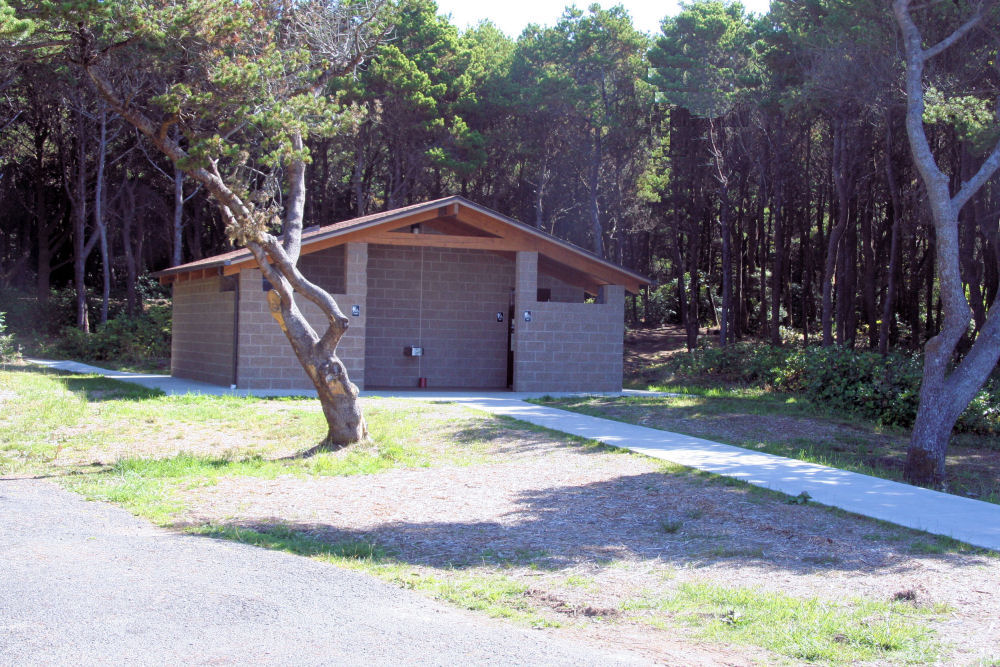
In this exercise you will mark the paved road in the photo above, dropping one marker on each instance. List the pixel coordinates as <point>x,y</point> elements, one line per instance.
<point>86,583</point>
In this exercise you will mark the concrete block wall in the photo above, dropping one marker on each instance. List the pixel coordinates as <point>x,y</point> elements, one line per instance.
<point>201,347</point>
<point>450,312</point>
<point>560,291</point>
<point>266,360</point>
<point>326,269</point>
<point>566,346</point>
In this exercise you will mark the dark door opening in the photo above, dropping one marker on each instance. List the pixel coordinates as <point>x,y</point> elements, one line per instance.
<point>510,342</point>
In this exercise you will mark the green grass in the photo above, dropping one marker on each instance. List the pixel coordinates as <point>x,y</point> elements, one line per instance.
<point>670,526</point>
<point>53,417</point>
<point>806,629</point>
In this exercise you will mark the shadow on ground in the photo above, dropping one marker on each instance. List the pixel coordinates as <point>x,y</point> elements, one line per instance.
<point>633,518</point>
<point>94,388</point>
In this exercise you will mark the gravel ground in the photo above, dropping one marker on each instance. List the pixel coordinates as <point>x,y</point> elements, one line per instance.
<point>85,583</point>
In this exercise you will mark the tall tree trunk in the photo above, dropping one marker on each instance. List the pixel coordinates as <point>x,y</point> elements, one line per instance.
<point>778,269</point>
<point>841,182</point>
<point>100,224</point>
<point>358,176</point>
<point>81,245</point>
<point>847,282</point>
<point>725,223</point>
<point>725,330</point>
<point>888,302</point>
<point>694,288</point>
<point>593,194</point>
<point>868,282</point>
<point>132,304</point>
<point>177,226</point>
<point>43,224</point>
<point>764,240</point>
<point>944,392</point>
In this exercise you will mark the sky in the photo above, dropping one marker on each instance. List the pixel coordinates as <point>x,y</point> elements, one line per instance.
<point>512,16</point>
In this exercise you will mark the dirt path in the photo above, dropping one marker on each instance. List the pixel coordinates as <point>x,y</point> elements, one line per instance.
<point>593,530</point>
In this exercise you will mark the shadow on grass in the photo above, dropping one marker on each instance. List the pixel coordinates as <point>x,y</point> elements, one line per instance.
<point>643,517</point>
<point>509,436</point>
<point>94,388</point>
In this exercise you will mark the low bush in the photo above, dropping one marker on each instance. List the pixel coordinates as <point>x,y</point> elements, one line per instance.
<point>125,338</point>
<point>8,350</point>
<point>47,328</point>
<point>29,318</point>
<point>885,389</point>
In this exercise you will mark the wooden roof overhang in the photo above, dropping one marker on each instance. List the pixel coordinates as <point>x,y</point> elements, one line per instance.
<point>453,222</point>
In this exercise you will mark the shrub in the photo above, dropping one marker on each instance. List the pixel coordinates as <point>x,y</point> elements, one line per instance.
<point>885,389</point>
<point>8,351</point>
<point>123,338</point>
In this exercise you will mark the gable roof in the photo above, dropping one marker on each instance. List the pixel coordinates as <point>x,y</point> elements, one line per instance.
<point>449,222</point>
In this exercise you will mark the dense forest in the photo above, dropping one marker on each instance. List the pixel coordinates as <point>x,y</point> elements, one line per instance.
<point>786,130</point>
<point>757,168</point>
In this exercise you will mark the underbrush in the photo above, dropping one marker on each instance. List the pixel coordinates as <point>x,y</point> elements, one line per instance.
<point>49,329</point>
<point>125,338</point>
<point>884,389</point>
<point>8,350</point>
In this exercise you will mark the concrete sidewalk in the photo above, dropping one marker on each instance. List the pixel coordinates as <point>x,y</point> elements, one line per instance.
<point>964,519</point>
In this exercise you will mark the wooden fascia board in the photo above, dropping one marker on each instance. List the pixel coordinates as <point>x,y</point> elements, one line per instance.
<point>449,241</point>
<point>360,234</point>
<point>604,273</point>
<point>506,237</point>
<point>187,276</point>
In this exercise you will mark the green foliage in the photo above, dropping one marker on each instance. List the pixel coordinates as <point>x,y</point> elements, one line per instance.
<point>885,389</point>
<point>11,27</point>
<point>8,351</point>
<point>122,338</point>
<point>660,305</point>
<point>973,118</point>
<point>48,329</point>
<point>28,318</point>
<point>703,60</point>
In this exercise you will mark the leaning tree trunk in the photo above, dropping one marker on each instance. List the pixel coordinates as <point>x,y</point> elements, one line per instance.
<point>944,394</point>
<point>277,260</point>
<point>318,354</point>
